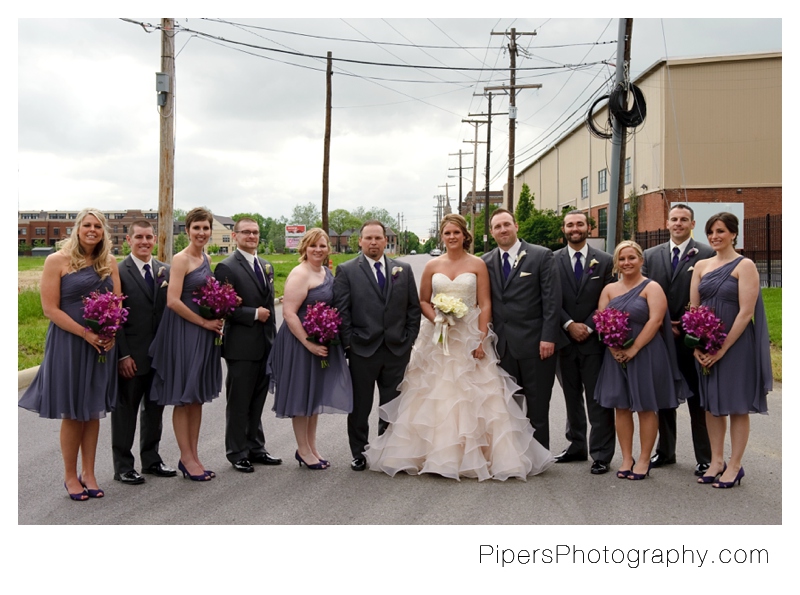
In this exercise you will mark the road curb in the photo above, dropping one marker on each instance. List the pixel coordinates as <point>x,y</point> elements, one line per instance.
<point>24,377</point>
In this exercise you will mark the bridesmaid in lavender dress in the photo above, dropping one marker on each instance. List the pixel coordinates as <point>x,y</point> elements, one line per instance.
<point>740,373</point>
<point>71,385</point>
<point>188,372</point>
<point>644,377</point>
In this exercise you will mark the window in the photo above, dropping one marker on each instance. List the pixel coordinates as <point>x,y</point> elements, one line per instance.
<point>119,215</point>
<point>23,231</point>
<point>56,215</point>
<point>585,187</point>
<point>151,215</point>
<point>68,231</point>
<point>602,181</point>
<point>226,239</point>
<point>29,216</point>
<point>602,222</point>
<point>41,231</point>
<point>116,229</point>
<point>627,170</point>
<point>56,231</point>
<point>73,215</point>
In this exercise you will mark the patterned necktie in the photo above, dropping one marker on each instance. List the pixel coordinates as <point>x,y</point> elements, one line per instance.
<point>259,274</point>
<point>506,265</point>
<point>675,253</point>
<point>149,278</point>
<point>578,267</point>
<point>381,278</point>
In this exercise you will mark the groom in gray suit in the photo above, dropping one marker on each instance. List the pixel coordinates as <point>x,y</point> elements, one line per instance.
<point>526,303</point>
<point>584,273</point>
<point>144,283</point>
<point>379,305</point>
<point>671,264</point>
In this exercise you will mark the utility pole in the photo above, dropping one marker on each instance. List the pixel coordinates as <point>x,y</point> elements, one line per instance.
<point>616,197</point>
<point>475,142</point>
<point>460,191</point>
<point>447,209</point>
<point>166,158</point>
<point>512,109</point>
<point>326,158</point>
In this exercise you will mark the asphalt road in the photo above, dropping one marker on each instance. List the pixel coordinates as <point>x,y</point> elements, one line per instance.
<point>287,495</point>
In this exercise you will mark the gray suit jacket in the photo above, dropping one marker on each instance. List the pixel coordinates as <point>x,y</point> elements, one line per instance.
<point>525,307</point>
<point>245,337</point>
<point>145,310</point>
<point>658,267</point>
<point>371,317</point>
<point>579,300</point>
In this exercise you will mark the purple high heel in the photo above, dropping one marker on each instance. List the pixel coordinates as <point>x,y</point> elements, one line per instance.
<point>79,497</point>
<point>624,474</point>
<point>98,493</point>
<point>729,484</point>
<point>713,478</point>
<point>186,473</point>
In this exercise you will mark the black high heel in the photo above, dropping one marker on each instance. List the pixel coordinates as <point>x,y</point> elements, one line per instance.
<point>624,474</point>
<point>313,467</point>
<point>639,476</point>
<point>729,484</point>
<point>712,478</point>
<point>98,493</point>
<point>186,473</point>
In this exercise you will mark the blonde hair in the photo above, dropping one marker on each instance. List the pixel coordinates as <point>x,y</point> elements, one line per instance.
<point>620,247</point>
<point>460,222</point>
<point>310,237</point>
<point>73,249</point>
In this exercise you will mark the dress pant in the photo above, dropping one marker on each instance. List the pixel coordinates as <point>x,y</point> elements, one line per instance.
<point>246,385</point>
<point>577,373</point>
<point>383,368</point>
<point>134,392</point>
<point>536,377</point>
<point>667,418</point>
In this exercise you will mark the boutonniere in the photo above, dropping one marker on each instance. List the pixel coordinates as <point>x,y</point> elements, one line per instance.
<point>689,254</point>
<point>267,268</point>
<point>520,256</point>
<point>395,272</point>
<point>592,264</point>
<point>161,272</point>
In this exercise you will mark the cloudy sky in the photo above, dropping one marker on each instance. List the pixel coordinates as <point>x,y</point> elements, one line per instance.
<point>250,121</point>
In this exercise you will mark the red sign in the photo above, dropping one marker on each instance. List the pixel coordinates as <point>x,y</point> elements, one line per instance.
<point>292,230</point>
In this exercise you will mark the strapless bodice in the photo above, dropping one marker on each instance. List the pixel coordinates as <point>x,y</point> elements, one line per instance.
<point>464,287</point>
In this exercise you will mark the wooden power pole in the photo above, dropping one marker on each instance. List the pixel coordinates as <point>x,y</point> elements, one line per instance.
<point>166,160</point>
<point>326,159</point>
<point>616,195</point>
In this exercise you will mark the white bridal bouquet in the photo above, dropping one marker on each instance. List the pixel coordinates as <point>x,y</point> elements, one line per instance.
<point>448,309</point>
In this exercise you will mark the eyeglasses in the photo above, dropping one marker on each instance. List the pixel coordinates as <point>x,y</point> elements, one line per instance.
<point>247,232</point>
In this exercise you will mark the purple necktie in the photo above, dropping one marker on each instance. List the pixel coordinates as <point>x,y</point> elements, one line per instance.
<point>506,265</point>
<point>259,274</point>
<point>675,253</point>
<point>578,267</point>
<point>381,278</point>
<point>149,278</point>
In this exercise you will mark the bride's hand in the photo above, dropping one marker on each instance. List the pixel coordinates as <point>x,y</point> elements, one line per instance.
<point>479,353</point>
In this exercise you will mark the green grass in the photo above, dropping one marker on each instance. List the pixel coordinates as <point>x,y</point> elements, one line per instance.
<point>773,306</point>
<point>30,263</point>
<point>32,327</point>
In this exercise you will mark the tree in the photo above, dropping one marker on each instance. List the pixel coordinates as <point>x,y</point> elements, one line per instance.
<point>179,242</point>
<point>410,242</point>
<point>178,215</point>
<point>381,215</point>
<point>213,249</point>
<point>126,248</point>
<point>429,245</point>
<point>479,227</point>
<point>341,220</point>
<point>308,215</point>
<point>525,204</point>
<point>543,228</point>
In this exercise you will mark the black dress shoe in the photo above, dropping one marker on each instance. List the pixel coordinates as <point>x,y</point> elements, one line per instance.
<point>265,459</point>
<point>358,464</point>
<point>659,460</point>
<point>132,477</point>
<point>160,469</point>
<point>569,457</point>
<point>243,465</point>
<point>701,468</point>
<point>599,467</point>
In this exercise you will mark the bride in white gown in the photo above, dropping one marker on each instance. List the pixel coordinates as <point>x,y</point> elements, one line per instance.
<point>456,415</point>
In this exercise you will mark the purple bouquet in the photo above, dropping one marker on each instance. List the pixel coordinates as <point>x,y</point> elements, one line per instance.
<point>216,300</point>
<point>703,330</point>
<point>322,324</point>
<point>104,314</point>
<point>613,329</point>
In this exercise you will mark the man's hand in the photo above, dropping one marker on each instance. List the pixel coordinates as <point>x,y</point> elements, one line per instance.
<point>578,331</point>
<point>263,314</point>
<point>546,349</point>
<point>676,328</point>
<point>127,368</point>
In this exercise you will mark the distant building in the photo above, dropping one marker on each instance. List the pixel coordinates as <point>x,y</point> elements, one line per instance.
<point>495,199</point>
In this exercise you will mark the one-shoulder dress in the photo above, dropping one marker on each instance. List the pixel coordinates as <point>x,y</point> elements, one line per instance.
<point>457,416</point>
<point>739,382</point>
<point>186,361</point>
<point>301,386</point>
<point>71,383</point>
<point>651,380</point>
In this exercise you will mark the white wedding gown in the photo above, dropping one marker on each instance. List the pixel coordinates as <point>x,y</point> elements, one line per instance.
<point>456,416</point>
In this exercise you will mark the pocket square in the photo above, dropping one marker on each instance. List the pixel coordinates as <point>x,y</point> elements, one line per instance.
<point>524,274</point>
<point>689,269</point>
<point>592,278</point>
<point>164,284</point>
